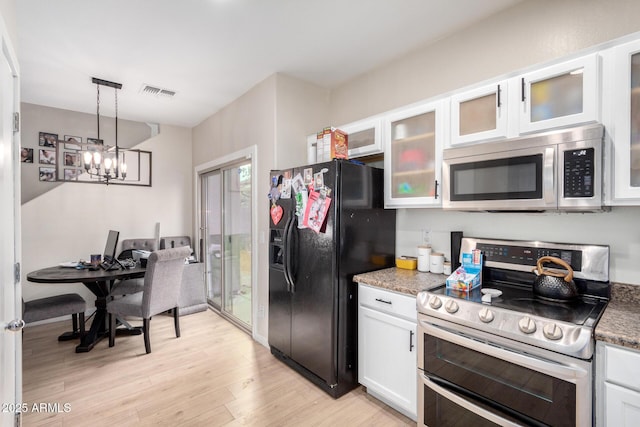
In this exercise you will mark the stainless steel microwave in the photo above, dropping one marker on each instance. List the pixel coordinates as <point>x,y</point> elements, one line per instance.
<point>556,170</point>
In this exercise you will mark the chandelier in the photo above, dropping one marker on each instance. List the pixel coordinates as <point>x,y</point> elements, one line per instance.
<point>102,161</point>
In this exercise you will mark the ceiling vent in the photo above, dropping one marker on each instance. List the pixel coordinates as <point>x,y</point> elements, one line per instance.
<point>157,91</point>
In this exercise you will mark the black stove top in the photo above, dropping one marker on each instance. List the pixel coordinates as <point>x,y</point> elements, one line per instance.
<point>584,310</point>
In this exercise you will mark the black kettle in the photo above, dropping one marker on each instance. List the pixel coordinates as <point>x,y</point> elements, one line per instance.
<point>554,285</point>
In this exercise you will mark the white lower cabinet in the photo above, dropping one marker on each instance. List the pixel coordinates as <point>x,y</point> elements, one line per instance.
<point>387,347</point>
<point>618,386</point>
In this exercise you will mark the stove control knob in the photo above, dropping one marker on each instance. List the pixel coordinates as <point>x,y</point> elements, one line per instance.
<point>552,331</point>
<point>435,303</point>
<point>485,315</point>
<point>527,325</point>
<point>451,306</point>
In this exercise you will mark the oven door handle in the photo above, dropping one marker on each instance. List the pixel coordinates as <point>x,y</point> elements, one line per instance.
<point>558,370</point>
<point>453,397</point>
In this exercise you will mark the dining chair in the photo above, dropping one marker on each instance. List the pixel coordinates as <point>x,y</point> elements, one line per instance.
<point>131,286</point>
<point>161,293</point>
<point>57,306</point>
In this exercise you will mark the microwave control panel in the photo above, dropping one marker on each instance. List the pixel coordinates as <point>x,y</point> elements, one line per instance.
<point>579,172</point>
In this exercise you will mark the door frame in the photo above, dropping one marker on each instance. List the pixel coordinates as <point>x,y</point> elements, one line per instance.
<point>15,286</point>
<point>251,154</point>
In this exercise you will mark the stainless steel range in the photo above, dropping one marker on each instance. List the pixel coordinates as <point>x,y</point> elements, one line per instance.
<point>511,359</point>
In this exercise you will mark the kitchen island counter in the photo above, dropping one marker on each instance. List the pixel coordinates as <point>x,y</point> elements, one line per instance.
<point>400,280</point>
<point>620,322</point>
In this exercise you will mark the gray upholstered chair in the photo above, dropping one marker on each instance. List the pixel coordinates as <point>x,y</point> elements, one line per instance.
<point>57,306</point>
<point>174,241</point>
<point>193,294</point>
<point>161,293</point>
<point>131,286</point>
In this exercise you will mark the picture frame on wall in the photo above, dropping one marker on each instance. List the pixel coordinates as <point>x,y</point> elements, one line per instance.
<point>72,174</point>
<point>72,158</point>
<point>47,157</point>
<point>47,174</point>
<point>71,142</point>
<point>46,139</point>
<point>94,141</point>
<point>26,155</point>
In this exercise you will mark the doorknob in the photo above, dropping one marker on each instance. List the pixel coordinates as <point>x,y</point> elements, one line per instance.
<point>15,325</point>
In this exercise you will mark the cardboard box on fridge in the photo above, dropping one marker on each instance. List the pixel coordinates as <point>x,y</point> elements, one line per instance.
<point>336,143</point>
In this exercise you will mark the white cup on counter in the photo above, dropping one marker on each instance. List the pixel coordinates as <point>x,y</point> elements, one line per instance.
<point>446,269</point>
<point>436,262</point>
<point>424,253</point>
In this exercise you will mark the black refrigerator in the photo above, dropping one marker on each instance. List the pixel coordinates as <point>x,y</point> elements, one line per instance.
<point>316,246</point>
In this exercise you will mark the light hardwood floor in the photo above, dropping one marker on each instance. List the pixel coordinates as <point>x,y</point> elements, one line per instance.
<point>214,375</point>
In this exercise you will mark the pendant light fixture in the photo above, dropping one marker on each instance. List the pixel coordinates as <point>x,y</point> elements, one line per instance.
<point>102,161</point>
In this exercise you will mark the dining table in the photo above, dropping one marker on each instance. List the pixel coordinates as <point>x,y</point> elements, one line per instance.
<point>99,281</point>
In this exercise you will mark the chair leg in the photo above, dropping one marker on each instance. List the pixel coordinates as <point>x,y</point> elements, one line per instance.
<point>176,321</point>
<point>145,331</point>
<point>81,319</point>
<point>112,330</point>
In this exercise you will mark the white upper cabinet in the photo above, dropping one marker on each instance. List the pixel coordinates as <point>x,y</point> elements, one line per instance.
<point>365,137</point>
<point>621,116</point>
<point>480,114</point>
<point>561,95</point>
<point>413,155</point>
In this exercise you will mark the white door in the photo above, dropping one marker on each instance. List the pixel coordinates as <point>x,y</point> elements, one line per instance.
<point>10,291</point>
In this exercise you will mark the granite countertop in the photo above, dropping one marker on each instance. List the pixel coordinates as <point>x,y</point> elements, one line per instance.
<point>399,280</point>
<point>620,323</point>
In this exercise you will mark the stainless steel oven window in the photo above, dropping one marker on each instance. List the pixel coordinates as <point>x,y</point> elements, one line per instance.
<point>442,407</point>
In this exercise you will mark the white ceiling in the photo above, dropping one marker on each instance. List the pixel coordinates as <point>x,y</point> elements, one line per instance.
<point>212,51</point>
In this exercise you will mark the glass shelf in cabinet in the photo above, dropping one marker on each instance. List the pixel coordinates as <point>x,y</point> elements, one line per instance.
<point>413,172</point>
<point>414,138</point>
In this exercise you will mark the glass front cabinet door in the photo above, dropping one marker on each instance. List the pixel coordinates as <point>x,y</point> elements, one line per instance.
<point>624,106</point>
<point>365,137</point>
<point>413,156</point>
<point>561,95</point>
<point>479,114</point>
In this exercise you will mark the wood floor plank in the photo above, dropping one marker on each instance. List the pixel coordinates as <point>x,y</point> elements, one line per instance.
<point>213,375</point>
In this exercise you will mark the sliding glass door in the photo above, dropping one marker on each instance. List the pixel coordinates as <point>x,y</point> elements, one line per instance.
<point>226,240</point>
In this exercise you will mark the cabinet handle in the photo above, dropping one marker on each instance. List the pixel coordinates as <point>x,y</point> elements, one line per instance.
<point>499,100</point>
<point>522,89</point>
<point>436,190</point>
<point>411,341</point>
<point>384,301</point>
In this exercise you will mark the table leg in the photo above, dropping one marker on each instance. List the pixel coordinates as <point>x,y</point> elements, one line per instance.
<point>98,329</point>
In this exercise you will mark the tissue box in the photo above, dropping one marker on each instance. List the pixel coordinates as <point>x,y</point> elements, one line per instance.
<point>461,280</point>
<point>469,275</point>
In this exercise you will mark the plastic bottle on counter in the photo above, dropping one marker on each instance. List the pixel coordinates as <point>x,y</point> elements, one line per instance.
<point>424,252</point>
<point>436,264</point>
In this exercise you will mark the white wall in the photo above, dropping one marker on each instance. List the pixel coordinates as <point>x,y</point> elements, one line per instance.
<point>248,121</point>
<point>72,220</point>
<point>529,33</point>
<point>301,109</point>
<point>276,115</point>
<point>619,229</point>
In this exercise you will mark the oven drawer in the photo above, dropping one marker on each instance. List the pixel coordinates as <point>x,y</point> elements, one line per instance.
<point>389,302</point>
